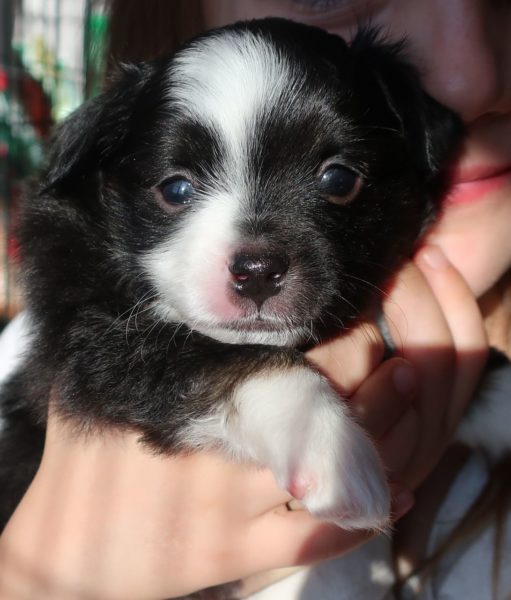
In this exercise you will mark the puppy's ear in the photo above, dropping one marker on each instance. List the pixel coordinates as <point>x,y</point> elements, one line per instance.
<point>84,142</point>
<point>433,132</point>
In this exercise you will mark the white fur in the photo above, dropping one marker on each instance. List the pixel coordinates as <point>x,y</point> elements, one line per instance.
<point>180,265</point>
<point>227,81</point>
<point>14,343</point>
<point>286,336</point>
<point>293,422</point>
<point>191,268</point>
<point>488,421</point>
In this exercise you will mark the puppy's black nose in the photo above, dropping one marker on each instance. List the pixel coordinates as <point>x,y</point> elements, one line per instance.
<point>258,276</point>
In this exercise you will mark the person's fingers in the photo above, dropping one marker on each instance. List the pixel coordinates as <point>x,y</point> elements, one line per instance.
<point>383,403</point>
<point>384,396</point>
<point>422,335</point>
<point>465,324</point>
<point>385,407</point>
<point>347,360</point>
<point>399,445</point>
<point>287,538</point>
<point>436,324</point>
<point>217,480</point>
<point>295,537</point>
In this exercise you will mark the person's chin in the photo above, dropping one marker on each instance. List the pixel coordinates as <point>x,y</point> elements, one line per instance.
<point>481,255</point>
<point>473,229</point>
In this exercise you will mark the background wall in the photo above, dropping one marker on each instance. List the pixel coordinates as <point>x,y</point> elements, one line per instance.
<point>51,58</point>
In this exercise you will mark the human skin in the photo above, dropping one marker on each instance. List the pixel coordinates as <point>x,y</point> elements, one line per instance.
<point>203,537</point>
<point>462,49</point>
<point>105,519</point>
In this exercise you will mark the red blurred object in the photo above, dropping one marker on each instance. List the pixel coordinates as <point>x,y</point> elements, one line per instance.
<point>4,80</point>
<point>36,104</point>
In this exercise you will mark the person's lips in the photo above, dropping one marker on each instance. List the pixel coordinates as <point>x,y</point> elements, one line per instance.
<point>475,183</point>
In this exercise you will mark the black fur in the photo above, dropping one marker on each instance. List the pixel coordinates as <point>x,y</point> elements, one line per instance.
<point>83,231</point>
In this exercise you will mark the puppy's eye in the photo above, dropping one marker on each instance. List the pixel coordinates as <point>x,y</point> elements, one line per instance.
<point>340,184</point>
<point>177,190</point>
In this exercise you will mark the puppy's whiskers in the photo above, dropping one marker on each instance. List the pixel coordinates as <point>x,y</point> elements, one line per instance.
<point>137,310</point>
<point>148,331</point>
<point>146,298</point>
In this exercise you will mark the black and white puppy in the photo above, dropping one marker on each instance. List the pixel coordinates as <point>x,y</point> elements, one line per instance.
<point>203,221</point>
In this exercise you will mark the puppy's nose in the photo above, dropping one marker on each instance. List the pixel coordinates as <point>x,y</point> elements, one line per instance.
<point>258,276</point>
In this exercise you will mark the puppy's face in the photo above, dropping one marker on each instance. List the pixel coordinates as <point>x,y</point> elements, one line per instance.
<point>264,178</point>
<point>264,184</point>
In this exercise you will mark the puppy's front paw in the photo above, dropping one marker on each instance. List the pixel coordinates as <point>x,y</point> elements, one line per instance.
<point>295,423</point>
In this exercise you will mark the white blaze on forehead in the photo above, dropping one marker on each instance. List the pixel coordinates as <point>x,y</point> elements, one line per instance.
<point>228,80</point>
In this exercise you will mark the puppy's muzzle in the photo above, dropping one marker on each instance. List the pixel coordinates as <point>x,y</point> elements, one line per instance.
<point>258,276</point>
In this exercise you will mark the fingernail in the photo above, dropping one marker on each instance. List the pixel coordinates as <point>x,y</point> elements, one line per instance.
<point>404,379</point>
<point>402,502</point>
<point>434,257</point>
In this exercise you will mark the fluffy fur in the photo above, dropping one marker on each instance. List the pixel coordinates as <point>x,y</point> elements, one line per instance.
<point>187,321</point>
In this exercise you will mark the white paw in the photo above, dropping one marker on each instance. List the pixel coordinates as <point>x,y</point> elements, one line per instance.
<point>293,422</point>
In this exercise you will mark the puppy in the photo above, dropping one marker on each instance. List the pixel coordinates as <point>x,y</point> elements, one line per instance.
<point>198,226</point>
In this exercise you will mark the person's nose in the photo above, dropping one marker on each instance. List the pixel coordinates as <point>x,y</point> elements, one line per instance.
<point>463,49</point>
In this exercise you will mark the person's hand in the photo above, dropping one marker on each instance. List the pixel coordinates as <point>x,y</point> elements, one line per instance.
<point>446,342</point>
<point>104,518</point>
<point>437,327</point>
